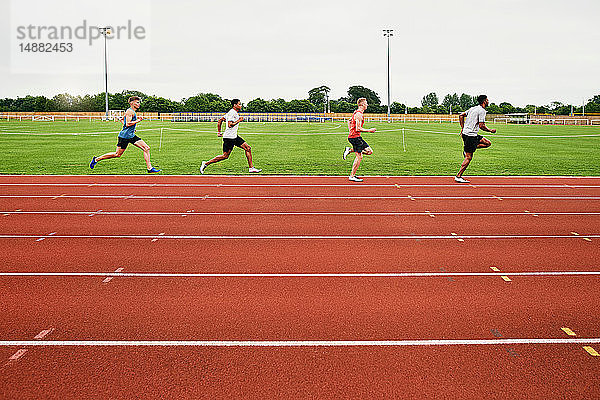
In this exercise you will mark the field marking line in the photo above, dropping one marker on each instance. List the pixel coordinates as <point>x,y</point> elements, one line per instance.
<point>591,351</point>
<point>299,343</point>
<point>568,331</point>
<point>21,352</point>
<point>110,278</point>
<point>442,274</point>
<point>207,197</point>
<point>297,237</point>
<point>299,213</point>
<point>323,185</point>
<point>261,176</point>
<point>504,277</point>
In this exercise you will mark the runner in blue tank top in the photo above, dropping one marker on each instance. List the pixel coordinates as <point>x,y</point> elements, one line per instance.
<point>127,135</point>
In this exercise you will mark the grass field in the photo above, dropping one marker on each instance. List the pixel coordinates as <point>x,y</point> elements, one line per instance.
<point>299,149</point>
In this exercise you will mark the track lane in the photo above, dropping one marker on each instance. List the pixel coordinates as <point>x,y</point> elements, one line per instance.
<point>298,308</point>
<point>306,225</point>
<point>296,256</point>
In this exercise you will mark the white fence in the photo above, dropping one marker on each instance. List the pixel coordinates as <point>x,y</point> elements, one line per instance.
<point>545,121</point>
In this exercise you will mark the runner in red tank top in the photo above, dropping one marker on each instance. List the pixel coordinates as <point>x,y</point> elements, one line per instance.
<point>359,146</point>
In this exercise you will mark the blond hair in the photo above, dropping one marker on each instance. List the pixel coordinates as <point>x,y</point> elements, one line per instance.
<point>361,100</point>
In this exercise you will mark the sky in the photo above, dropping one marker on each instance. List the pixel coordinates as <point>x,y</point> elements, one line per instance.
<point>523,52</point>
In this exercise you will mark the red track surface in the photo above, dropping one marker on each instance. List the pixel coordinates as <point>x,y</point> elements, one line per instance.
<point>299,308</point>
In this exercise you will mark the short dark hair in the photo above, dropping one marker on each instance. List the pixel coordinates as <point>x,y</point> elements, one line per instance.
<point>481,98</point>
<point>133,98</point>
<point>234,102</point>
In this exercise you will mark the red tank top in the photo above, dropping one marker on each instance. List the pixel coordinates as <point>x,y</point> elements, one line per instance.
<point>352,125</point>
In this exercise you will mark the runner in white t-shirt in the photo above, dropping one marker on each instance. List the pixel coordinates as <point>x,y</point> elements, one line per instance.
<point>231,138</point>
<point>470,122</point>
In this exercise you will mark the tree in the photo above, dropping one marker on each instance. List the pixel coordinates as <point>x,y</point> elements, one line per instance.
<point>451,102</point>
<point>257,105</point>
<point>494,109</point>
<point>319,96</point>
<point>430,101</point>
<point>397,108</point>
<point>300,106</point>
<point>342,106</point>
<point>356,92</point>
<point>506,108</point>
<point>466,101</point>
<point>276,106</point>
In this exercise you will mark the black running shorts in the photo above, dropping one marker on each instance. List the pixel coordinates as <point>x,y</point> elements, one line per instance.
<point>229,144</point>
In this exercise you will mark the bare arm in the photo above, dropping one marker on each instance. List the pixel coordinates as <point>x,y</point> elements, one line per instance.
<point>359,127</point>
<point>219,126</point>
<point>461,119</point>
<point>129,119</point>
<point>231,124</point>
<point>485,128</point>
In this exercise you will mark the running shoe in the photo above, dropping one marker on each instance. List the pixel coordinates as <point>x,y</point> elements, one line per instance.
<point>203,167</point>
<point>93,163</point>
<point>355,179</point>
<point>346,152</point>
<point>254,170</point>
<point>460,179</point>
<point>153,170</point>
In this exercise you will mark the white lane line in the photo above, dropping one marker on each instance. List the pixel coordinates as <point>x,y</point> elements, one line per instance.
<point>160,234</point>
<point>324,185</point>
<point>296,275</point>
<point>301,237</point>
<point>502,177</point>
<point>504,277</point>
<point>207,197</point>
<point>299,213</point>
<point>300,343</point>
<point>21,352</point>
<point>110,278</point>
<point>40,237</point>
<point>94,213</point>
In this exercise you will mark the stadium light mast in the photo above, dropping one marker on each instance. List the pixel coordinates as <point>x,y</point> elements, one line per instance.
<point>105,32</point>
<point>388,33</point>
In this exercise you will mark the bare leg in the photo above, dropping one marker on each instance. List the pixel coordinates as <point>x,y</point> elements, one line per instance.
<point>146,149</point>
<point>222,157</point>
<point>367,152</point>
<point>116,154</point>
<point>248,151</point>
<point>356,163</point>
<point>465,164</point>
<point>484,143</point>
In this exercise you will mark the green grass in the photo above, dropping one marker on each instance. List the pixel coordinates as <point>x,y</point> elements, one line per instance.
<point>298,149</point>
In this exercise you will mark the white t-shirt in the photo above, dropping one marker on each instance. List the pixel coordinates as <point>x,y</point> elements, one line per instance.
<point>231,133</point>
<point>475,115</point>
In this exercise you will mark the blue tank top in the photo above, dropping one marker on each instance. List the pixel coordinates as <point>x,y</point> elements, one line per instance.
<point>128,131</point>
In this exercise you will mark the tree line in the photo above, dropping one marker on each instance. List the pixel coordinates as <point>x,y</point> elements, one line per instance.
<point>317,102</point>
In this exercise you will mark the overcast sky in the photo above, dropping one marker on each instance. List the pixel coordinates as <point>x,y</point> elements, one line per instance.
<point>524,52</point>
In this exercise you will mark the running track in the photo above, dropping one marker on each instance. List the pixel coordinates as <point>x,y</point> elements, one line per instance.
<point>299,287</point>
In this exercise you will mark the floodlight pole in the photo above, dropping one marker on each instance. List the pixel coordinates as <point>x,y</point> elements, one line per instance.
<point>388,33</point>
<point>105,32</point>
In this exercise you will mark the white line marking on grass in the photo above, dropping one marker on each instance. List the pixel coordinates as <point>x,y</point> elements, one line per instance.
<point>298,275</point>
<point>299,343</point>
<point>299,237</point>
